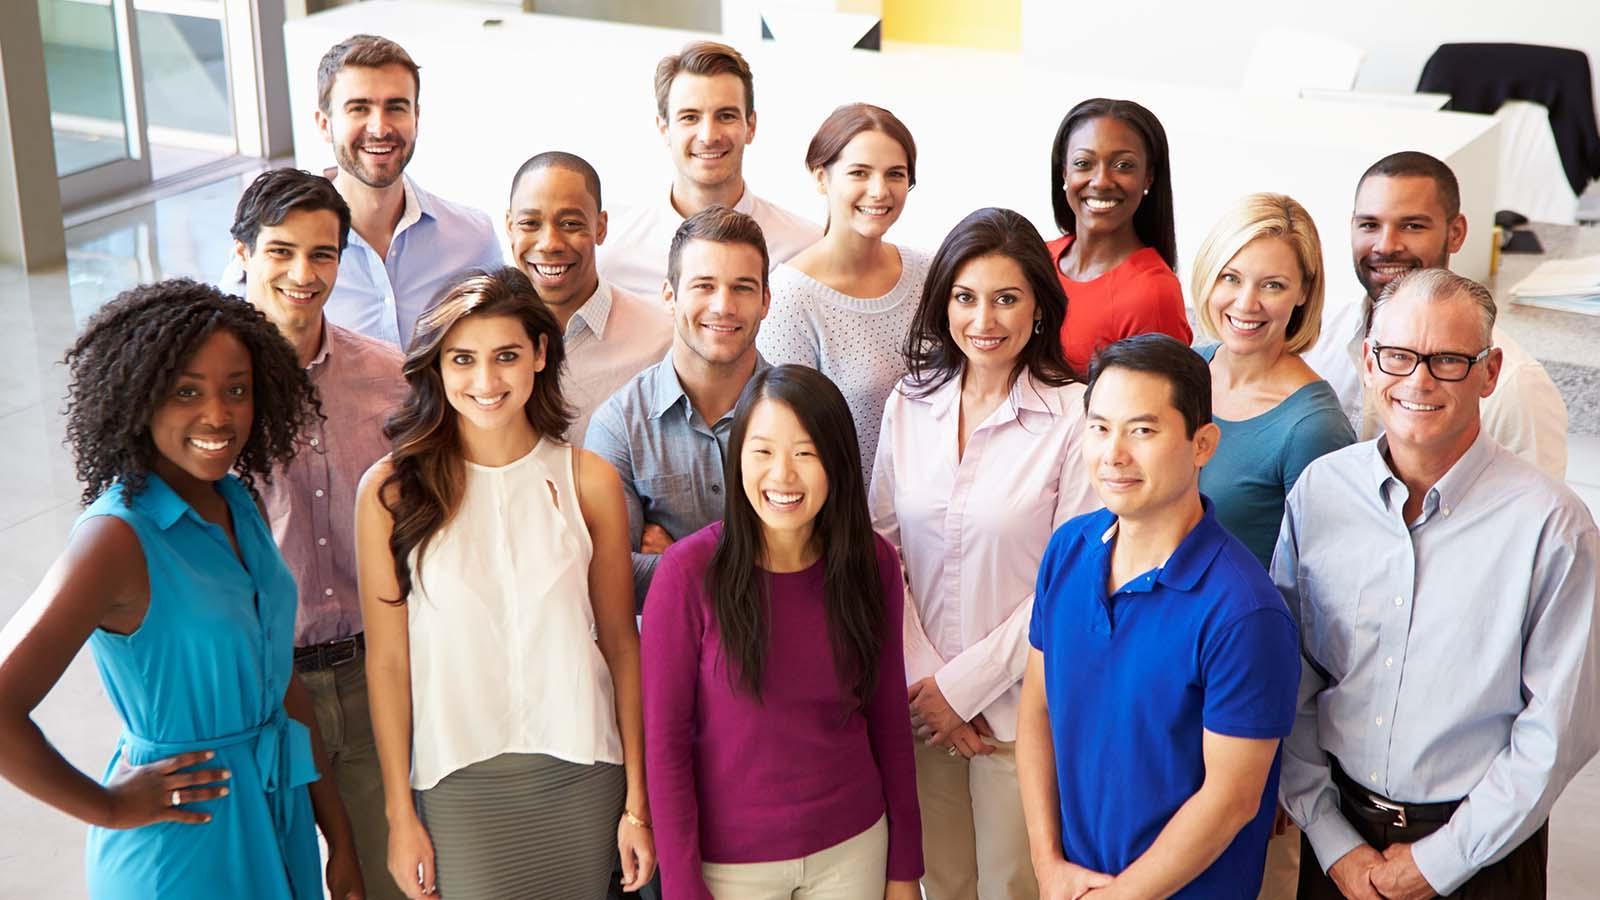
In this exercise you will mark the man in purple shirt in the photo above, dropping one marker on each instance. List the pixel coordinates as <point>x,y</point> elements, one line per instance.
<point>289,230</point>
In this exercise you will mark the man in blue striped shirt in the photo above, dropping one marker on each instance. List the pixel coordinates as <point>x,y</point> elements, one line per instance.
<point>1446,593</point>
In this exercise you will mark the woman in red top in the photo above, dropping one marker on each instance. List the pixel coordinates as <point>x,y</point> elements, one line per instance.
<point>1112,194</point>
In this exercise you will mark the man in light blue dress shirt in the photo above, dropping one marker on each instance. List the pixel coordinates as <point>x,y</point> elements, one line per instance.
<point>666,430</point>
<point>1446,593</point>
<point>406,245</point>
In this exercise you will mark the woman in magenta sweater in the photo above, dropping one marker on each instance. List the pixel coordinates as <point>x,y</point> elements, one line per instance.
<point>767,778</point>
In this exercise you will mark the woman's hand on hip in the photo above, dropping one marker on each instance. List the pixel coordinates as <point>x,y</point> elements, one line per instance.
<point>159,792</point>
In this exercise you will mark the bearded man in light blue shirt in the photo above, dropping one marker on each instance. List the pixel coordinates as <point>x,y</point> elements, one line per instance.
<point>1446,594</point>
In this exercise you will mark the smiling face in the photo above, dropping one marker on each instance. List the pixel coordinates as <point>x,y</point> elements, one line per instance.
<point>1107,173</point>
<point>372,122</point>
<point>554,225</point>
<point>1399,225</point>
<point>1255,295</point>
<point>783,475</point>
<point>1420,413</point>
<point>488,365</point>
<point>203,424</point>
<point>1141,461</point>
<point>292,268</point>
<point>992,312</point>
<point>867,185</point>
<point>719,302</point>
<point>706,128</point>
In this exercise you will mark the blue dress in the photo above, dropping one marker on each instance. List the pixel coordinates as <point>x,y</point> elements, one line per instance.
<point>207,669</point>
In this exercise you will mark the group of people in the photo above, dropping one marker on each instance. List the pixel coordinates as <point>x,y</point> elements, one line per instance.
<point>706,552</point>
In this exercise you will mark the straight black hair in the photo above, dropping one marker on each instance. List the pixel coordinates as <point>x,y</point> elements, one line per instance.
<point>274,194</point>
<point>739,589</point>
<point>1159,354</point>
<point>1152,222</point>
<point>932,355</point>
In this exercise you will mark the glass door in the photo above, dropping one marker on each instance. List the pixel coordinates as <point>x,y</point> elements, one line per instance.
<point>96,104</point>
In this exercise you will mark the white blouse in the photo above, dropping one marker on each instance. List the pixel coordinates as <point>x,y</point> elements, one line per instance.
<point>971,531</point>
<point>503,652</point>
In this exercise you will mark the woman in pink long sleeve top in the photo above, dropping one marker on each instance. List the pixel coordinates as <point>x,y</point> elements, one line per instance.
<point>978,461</point>
<point>767,777</point>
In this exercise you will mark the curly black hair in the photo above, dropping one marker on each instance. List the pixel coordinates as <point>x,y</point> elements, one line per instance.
<point>125,363</point>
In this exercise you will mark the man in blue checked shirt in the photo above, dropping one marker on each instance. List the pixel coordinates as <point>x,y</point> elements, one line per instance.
<point>1446,595</point>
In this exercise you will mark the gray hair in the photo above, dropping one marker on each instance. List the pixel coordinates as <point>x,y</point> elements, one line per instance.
<point>1439,284</point>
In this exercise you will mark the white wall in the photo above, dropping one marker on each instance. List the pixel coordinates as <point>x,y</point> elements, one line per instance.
<point>1209,43</point>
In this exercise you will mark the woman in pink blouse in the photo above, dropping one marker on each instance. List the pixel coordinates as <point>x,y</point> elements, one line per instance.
<point>768,778</point>
<point>978,462</point>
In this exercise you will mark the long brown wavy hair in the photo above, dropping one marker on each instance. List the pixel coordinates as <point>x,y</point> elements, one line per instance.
<point>427,476</point>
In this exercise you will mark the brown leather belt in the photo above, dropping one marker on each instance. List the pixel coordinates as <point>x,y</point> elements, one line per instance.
<point>319,657</point>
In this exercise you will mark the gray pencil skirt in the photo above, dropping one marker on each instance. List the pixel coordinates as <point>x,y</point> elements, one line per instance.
<point>525,825</point>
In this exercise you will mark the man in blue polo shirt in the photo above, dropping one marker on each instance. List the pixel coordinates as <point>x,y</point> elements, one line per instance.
<point>1164,663</point>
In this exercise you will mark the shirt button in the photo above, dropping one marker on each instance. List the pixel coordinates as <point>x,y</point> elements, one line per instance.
<point>327,592</point>
<point>314,443</point>
<point>1398,601</point>
<point>1388,663</point>
<point>716,489</point>
<point>1380,720</point>
<point>1373,776</point>
<point>318,492</point>
<point>1447,511</point>
<point>322,542</point>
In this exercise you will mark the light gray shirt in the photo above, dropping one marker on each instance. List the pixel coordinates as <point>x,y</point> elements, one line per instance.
<point>1454,658</point>
<point>670,459</point>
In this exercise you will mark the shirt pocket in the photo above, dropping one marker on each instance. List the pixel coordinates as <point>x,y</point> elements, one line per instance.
<point>669,492</point>
<point>1329,616</point>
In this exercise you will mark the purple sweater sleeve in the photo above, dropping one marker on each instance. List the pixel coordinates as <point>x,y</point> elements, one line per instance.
<point>670,650</point>
<point>889,730</point>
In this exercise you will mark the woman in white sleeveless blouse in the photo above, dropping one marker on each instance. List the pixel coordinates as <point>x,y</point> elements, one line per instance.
<point>503,657</point>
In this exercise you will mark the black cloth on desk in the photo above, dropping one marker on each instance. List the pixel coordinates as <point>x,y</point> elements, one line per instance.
<point>1481,77</point>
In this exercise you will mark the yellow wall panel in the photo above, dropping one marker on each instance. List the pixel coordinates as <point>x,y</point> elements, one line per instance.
<point>984,24</point>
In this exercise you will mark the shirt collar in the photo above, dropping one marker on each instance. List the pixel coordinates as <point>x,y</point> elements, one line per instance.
<point>745,204</point>
<point>1452,487</point>
<point>418,204</point>
<point>162,505</point>
<point>1187,564</point>
<point>669,390</point>
<point>323,346</point>
<point>1024,397</point>
<point>593,314</point>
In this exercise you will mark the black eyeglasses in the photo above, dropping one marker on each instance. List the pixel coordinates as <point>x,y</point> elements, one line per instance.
<point>1400,362</point>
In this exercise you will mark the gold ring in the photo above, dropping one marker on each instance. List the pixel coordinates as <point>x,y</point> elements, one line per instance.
<point>174,799</point>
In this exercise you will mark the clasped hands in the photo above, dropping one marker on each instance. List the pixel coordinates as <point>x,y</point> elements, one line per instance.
<point>1366,874</point>
<point>937,724</point>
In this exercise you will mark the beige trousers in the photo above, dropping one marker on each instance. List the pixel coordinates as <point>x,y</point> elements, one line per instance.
<point>974,839</point>
<point>853,869</point>
<point>1281,881</point>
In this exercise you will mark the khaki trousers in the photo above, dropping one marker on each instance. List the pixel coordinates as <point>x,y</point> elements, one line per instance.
<point>853,869</point>
<point>1281,880</point>
<point>339,696</point>
<point>974,839</point>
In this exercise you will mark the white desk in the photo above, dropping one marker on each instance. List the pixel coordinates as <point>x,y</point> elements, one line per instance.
<point>494,95</point>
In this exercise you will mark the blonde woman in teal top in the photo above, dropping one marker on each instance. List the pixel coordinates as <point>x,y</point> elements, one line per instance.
<point>1258,285</point>
<point>180,398</point>
<point>1257,292</point>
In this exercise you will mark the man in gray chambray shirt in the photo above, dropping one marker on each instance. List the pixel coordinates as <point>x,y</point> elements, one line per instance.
<point>1446,593</point>
<point>666,430</point>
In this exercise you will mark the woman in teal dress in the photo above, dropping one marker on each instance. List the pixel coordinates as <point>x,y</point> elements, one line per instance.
<point>180,397</point>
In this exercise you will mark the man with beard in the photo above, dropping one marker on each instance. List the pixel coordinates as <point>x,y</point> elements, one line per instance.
<point>1408,217</point>
<point>706,113</point>
<point>405,243</point>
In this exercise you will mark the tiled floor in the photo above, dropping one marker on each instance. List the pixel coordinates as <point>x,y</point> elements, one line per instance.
<point>40,849</point>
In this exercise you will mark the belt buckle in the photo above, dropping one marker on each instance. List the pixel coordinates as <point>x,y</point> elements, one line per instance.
<point>1396,808</point>
<point>336,653</point>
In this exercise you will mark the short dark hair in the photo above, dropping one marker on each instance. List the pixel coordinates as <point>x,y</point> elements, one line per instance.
<point>1152,222</point>
<point>366,51</point>
<point>1159,354</point>
<point>1416,164</point>
<point>932,355</point>
<point>276,193</point>
<point>558,159</point>
<point>125,363</point>
<point>722,225</point>
<point>704,58</point>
